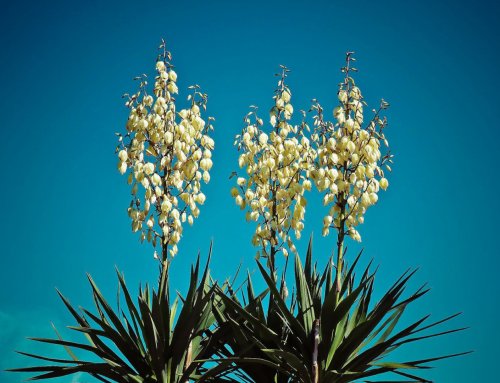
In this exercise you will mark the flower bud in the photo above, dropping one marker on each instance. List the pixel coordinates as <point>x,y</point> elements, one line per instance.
<point>285,96</point>
<point>150,222</point>
<point>327,221</point>
<point>156,179</point>
<point>149,168</point>
<point>351,201</point>
<point>200,198</point>
<point>122,167</point>
<point>160,66</point>
<point>172,76</point>
<point>123,155</point>
<point>262,202</point>
<point>263,138</point>
<point>349,124</point>
<point>148,100</point>
<point>176,237</point>
<point>350,147</point>
<point>339,114</point>
<point>307,185</point>
<point>355,93</point>
<point>304,141</point>
<point>249,194</point>
<point>206,177</point>
<point>175,214</point>
<point>342,96</point>
<point>172,88</point>
<point>384,183</point>
<point>272,120</point>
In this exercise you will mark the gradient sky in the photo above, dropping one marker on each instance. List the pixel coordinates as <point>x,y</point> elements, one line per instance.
<point>65,66</point>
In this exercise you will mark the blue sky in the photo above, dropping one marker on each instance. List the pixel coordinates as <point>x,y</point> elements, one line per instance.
<point>65,66</point>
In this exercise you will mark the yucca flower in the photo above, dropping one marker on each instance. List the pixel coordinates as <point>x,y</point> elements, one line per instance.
<point>350,166</point>
<point>276,161</point>
<point>169,153</point>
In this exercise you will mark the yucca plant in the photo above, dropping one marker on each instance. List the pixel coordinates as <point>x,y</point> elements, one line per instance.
<point>320,339</point>
<point>149,342</point>
<point>166,153</point>
<point>330,331</point>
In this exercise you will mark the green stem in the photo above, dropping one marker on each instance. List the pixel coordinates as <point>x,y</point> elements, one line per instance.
<point>272,260</point>
<point>164,250</point>
<point>342,197</point>
<point>340,250</point>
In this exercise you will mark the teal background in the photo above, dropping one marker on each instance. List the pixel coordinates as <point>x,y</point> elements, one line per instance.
<point>65,65</point>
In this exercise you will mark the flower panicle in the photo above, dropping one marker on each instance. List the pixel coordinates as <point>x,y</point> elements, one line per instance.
<point>345,158</point>
<point>276,161</point>
<point>167,155</point>
<point>350,164</point>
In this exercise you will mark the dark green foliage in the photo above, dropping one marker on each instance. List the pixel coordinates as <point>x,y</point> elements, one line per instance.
<point>150,345</point>
<point>355,336</point>
<point>319,335</point>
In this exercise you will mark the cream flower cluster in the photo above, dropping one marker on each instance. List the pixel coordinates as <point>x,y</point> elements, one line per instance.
<point>167,155</point>
<point>349,167</point>
<point>276,164</point>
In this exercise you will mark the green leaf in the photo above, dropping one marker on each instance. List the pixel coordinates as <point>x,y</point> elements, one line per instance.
<point>294,324</point>
<point>305,303</point>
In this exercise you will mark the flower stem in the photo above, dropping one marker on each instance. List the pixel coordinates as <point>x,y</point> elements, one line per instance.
<point>272,260</point>
<point>340,249</point>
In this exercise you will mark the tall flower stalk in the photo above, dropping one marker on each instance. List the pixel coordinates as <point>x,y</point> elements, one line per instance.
<point>349,167</point>
<point>168,154</point>
<point>277,161</point>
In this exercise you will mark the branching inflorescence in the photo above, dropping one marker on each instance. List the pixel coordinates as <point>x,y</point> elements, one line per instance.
<point>349,167</point>
<point>168,154</point>
<point>342,158</point>
<point>277,161</point>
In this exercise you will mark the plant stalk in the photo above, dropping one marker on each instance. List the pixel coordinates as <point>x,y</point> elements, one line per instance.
<point>340,250</point>
<point>315,369</point>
